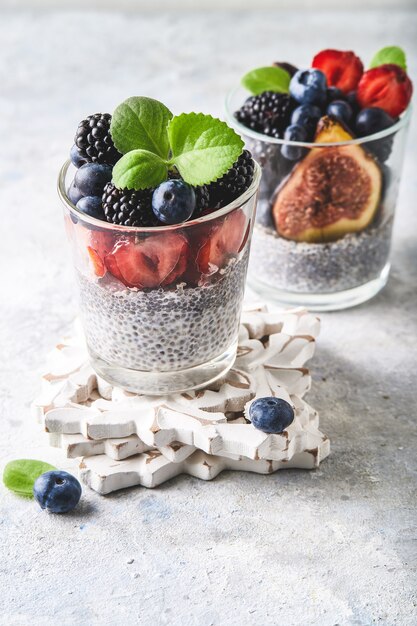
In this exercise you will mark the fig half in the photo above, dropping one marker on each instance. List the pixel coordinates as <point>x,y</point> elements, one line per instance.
<point>333,191</point>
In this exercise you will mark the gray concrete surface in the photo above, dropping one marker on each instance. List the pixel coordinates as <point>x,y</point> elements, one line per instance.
<point>333,547</point>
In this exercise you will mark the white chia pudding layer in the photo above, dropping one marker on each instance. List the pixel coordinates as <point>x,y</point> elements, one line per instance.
<point>352,261</point>
<point>162,330</point>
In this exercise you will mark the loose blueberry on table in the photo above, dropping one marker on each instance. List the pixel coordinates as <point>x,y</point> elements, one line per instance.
<point>57,491</point>
<point>271,415</point>
<point>333,200</point>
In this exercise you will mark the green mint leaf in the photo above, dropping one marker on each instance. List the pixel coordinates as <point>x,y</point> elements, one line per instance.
<point>203,147</point>
<point>20,475</point>
<point>390,54</point>
<point>267,79</point>
<point>140,123</point>
<point>139,169</point>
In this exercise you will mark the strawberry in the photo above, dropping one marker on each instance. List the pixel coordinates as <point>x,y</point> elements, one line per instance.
<point>99,243</point>
<point>342,69</point>
<point>155,261</point>
<point>387,87</point>
<point>98,263</point>
<point>227,237</point>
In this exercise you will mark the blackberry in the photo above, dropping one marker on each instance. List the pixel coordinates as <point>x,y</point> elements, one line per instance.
<point>269,113</point>
<point>202,200</point>
<point>233,183</point>
<point>128,207</point>
<point>94,141</point>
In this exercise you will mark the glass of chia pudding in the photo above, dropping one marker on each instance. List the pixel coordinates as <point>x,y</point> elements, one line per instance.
<point>161,267</point>
<point>330,141</point>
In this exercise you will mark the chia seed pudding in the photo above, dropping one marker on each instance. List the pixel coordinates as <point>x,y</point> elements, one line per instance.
<point>161,329</point>
<point>320,268</point>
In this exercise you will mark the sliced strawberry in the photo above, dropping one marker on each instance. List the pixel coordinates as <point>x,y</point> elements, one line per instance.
<point>225,238</point>
<point>98,263</point>
<point>343,69</point>
<point>149,263</point>
<point>387,87</point>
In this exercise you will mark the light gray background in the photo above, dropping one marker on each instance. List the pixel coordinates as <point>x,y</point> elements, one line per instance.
<point>335,546</point>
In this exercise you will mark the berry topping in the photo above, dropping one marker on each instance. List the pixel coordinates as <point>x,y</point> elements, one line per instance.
<point>94,141</point>
<point>288,67</point>
<point>373,120</point>
<point>57,492</point>
<point>173,202</point>
<point>202,200</point>
<point>225,239</point>
<point>91,178</point>
<point>306,115</point>
<point>271,415</point>
<point>340,109</point>
<point>74,194</point>
<point>333,93</point>
<point>128,207</point>
<point>342,69</point>
<point>309,87</point>
<point>268,113</point>
<point>233,183</point>
<point>294,133</point>
<point>92,206</point>
<point>157,260</point>
<point>76,158</point>
<point>387,87</point>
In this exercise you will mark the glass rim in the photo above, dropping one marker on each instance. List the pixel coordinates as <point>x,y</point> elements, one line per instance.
<point>237,203</point>
<point>230,119</point>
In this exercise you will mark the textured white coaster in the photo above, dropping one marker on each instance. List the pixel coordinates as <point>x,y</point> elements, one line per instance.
<point>199,432</point>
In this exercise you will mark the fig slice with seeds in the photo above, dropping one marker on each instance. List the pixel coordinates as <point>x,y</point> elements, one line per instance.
<point>333,191</point>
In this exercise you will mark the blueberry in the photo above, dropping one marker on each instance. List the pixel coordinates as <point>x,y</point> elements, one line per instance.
<point>309,87</point>
<point>340,109</point>
<point>92,206</point>
<point>294,133</point>
<point>334,93</point>
<point>173,202</point>
<point>58,492</point>
<point>271,415</point>
<point>351,99</point>
<point>306,115</point>
<point>372,120</point>
<point>74,194</point>
<point>91,178</point>
<point>76,158</point>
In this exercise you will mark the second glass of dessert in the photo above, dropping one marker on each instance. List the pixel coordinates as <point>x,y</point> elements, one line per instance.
<point>160,229</point>
<point>330,140</point>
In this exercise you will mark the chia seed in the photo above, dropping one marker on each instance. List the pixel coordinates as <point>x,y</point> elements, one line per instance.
<point>349,262</point>
<point>163,330</point>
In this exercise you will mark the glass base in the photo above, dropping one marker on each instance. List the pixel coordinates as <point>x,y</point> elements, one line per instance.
<point>323,301</point>
<point>163,383</point>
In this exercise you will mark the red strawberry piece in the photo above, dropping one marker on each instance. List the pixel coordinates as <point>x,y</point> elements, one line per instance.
<point>100,243</point>
<point>151,262</point>
<point>387,87</point>
<point>343,69</point>
<point>224,239</point>
<point>98,263</point>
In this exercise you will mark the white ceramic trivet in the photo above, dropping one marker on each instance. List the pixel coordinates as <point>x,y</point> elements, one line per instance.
<point>129,439</point>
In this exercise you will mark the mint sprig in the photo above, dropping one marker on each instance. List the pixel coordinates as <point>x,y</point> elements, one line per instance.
<point>201,147</point>
<point>140,123</point>
<point>139,169</point>
<point>269,78</point>
<point>389,54</point>
<point>20,475</point>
